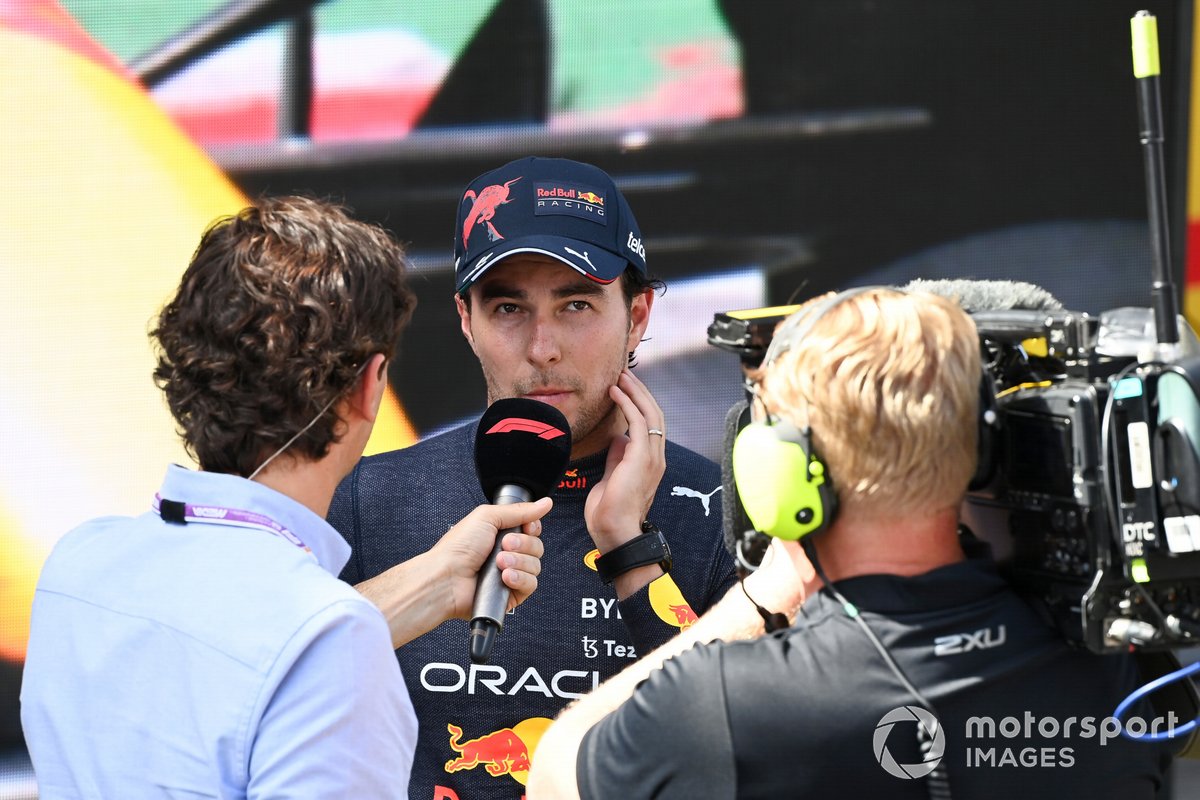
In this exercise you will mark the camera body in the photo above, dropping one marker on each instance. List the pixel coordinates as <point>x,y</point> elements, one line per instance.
<point>1093,505</point>
<point>1096,491</point>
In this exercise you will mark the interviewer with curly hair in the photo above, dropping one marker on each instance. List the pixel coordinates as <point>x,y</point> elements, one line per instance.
<point>282,307</point>
<point>206,648</point>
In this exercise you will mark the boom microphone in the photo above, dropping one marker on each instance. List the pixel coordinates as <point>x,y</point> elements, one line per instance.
<point>521,451</point>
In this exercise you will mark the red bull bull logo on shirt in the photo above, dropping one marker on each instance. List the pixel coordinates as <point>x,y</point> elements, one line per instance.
<point>669,605</point>
<point>500,752</point>
<point>573,480</point>
<point>507,751</point>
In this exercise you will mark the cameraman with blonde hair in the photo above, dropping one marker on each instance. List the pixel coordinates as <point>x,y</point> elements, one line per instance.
<point>905,643</point>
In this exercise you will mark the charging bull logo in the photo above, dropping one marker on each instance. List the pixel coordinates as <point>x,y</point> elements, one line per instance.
<point>500,753</point>
<point>684,616</point>
<point>669,605</point>
<point>483,209</point>
<point>573,480</point>
<point>507,751</point>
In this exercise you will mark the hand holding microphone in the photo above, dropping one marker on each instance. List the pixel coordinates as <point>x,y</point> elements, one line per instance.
<point>521,450</point>
<point>453,564</point>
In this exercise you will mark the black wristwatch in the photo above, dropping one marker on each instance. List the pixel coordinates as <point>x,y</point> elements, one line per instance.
<point>649,548</point>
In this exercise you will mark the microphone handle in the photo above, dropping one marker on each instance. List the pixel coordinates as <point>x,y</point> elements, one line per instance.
<point>491,595</point>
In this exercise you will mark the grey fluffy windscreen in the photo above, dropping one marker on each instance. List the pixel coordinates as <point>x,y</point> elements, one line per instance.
<point>988,295</point>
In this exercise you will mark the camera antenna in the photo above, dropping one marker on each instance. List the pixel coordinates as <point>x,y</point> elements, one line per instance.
<point>1144,29</point>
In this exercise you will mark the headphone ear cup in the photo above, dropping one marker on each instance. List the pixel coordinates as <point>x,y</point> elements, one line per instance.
<point>785,491</point>
<point>989,435</point>
<point>746,545</point>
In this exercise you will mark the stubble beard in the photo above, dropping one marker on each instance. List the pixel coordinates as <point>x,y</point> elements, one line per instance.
<point>593,412</point>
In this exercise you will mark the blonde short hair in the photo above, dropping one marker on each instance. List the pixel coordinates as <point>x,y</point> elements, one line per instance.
<point>889,382</point>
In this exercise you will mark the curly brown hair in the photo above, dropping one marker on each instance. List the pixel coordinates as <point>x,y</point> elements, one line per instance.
<point>280,306</point>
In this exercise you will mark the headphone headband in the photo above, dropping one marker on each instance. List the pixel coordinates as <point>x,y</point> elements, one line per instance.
<point>799,325</point>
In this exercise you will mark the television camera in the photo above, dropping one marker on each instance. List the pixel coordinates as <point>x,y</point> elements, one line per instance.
<point>1093,507</point>
<point>1093,504</point>
<point>1096,491</point>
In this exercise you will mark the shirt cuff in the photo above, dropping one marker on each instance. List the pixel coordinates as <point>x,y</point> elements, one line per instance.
<point>655,613</point>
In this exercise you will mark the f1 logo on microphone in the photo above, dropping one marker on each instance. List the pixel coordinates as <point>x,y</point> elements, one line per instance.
<point>510,424</point>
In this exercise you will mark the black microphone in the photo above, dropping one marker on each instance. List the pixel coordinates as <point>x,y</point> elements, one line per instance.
<point>521,451</point>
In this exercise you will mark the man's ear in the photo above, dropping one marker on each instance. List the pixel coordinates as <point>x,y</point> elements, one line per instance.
<point>464,319</point>
<point>367,394</point>
<point>639,318</point>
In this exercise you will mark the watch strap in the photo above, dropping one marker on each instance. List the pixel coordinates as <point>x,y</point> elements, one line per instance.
<point>649,548</point>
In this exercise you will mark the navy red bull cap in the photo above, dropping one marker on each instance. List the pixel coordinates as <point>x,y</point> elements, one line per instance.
<point>554,207</point>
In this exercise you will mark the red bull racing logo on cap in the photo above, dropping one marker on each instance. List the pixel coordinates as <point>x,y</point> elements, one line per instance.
<point>570,199</point>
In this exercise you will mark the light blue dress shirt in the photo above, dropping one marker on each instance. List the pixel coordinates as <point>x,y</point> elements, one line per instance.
<point>204,660</point>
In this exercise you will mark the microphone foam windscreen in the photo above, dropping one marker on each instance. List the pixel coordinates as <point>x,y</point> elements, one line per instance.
<point>993,295</point>
<point>522,442</point>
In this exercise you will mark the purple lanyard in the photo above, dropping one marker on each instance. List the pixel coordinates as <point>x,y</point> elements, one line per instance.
<point>175,511</point>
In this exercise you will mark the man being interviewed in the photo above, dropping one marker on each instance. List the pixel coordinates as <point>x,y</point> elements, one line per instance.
<point>553,297</point>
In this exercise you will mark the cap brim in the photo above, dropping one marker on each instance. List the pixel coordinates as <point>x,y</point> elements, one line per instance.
<point>587,259</point>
